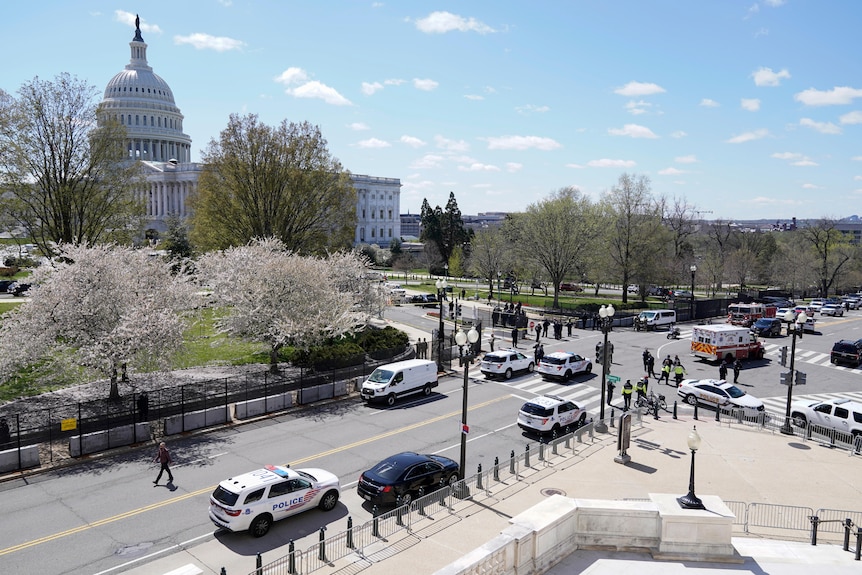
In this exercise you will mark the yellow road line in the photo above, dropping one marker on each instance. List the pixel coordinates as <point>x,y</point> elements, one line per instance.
<point>167,502</point>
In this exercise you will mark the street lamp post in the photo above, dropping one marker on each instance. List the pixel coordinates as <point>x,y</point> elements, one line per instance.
<point>690,500</point>
<point>606,314</point>
<point>441,293</point>
<point>466,358</point>
<point>797,323</point>
<point>693,269</point>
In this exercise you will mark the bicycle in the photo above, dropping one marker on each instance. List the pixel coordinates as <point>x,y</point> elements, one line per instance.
<point>651,402</point>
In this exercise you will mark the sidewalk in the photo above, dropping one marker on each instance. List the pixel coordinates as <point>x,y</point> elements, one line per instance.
<point>737,464</point>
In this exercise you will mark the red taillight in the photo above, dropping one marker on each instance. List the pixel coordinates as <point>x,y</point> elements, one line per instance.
<point>386,489</point>
<point>233,512</point>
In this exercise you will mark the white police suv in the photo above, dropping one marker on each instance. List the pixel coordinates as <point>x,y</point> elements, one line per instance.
<point>253,501</point>
<point>551,414</point>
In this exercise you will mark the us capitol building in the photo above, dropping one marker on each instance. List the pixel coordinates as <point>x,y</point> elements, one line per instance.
<point>143,102</point>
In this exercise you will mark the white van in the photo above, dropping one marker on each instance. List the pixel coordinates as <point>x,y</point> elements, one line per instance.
<point>389,382</point>
<point>653,318</point>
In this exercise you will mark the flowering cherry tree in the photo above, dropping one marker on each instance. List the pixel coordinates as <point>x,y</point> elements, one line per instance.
<point>106,309</point>
<point>278,298</point>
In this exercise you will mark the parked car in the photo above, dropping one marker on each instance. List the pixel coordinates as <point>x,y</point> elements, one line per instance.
<point>682,293</point>
<point>254,501</point>
<point>847,351</point>
<point>506,363</point>
<point>567,286</point>
<point>550,414</point>
<point>424,300</point>
<point>851,302</point>
<point>832,309</point>
<point>399,478</point>
<point>840,415</point>
<point>4,285</point>
<point>18,289</point>
<point>717,393</point>
<point>815,305</point>
<point>563,365</point>
<point>633,289</point>
<point>767,327</point>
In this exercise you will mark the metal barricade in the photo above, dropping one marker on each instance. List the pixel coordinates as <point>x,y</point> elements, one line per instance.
<point>778,516</point>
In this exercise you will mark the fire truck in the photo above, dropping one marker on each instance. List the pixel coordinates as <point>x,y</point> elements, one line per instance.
<point>722,341</point>
<point>745,314</point>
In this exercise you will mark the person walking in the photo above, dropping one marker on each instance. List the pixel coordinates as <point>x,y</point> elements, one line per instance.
<point>651,366</point>
<point>514,337</point>
<point>610,390</point>
<point>545,325</point>
<point>164,458</point>
<point>569,328</point>
<point>678,373</point>
<point>538,354</point>
<point>737,367</point>
<point>722,370</point>
<point>492,339</point>
<point>538,331</point>
<point>627,394</point>
<point>645,356</point>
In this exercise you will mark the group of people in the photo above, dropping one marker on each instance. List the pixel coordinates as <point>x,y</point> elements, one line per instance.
<point>725,365</point>
<point>541,328</point>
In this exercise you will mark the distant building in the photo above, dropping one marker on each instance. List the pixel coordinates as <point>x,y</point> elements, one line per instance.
<point>143,102</point>
<point>411,227</point>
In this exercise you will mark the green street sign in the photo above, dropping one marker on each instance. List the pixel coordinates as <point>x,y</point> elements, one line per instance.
<point>613,378</point>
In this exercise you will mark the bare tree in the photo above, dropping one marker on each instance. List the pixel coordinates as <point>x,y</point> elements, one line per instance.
<point>488,255</point>
<point>832,248</point>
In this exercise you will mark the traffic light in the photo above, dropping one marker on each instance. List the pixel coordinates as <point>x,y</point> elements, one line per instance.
<point>785,378</point>
<point>800,378</point>
<point>783,360</point>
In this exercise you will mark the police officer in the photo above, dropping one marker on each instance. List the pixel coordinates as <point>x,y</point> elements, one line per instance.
<point>640,388</point>
<point>610,390</point>
<point>627,394</point>
<point>678,373</point>
<point>665,371</point>
<point>737,366</point>
<point>722,370</point>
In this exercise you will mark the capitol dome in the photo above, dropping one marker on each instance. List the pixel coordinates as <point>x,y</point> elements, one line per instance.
<point>142,101</point>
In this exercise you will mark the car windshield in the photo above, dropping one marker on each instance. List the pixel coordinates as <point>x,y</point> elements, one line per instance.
<point>535,409</point>
<point>380,375</point>
<point>225,497</point>
<point>734,391</point>
<point>494,358</point>
<point>553,360</point>
<point>647,315</point>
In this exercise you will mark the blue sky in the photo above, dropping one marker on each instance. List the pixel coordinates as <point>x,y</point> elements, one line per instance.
<point>746,109</point>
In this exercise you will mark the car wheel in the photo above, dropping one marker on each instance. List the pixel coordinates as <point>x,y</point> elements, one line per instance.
<point>329,501</point>
<point>589,368</point>
<point>531,367</point>
<point>390,399</point>
<point>508,374</point>
<point>261,524</point>
<point>568,375</point>
<point>555,431</point>
<point>691,399</point>
<point>427,389</point>
<point>406,499</point>
<point>453,479</point>
<point>582,420</point>
<point>799,420</point>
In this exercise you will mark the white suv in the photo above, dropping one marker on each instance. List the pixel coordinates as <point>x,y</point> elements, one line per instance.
<point>550,414</point>
<point>253,501</point>
<point>505,363</point>
<point>563,365</point>
<point>839,414</point>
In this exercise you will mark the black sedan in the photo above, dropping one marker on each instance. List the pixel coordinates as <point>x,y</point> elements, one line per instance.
<point>399,478</point>
<point>18,289</point>
<point>767,327</point>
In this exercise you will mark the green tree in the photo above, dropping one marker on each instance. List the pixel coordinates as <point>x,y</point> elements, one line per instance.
<point>176,241</point>
<point>63,163</point>
<point>261,181</point>
<point>557,232</point>
<point>444,228</point>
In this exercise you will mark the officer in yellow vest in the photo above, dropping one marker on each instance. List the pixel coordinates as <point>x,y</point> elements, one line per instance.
<point>627,394</point>
<point>640,389</point>
<point>678,373</point>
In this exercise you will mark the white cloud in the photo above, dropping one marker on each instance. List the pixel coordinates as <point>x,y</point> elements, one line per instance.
<point>854,117</point>
<point>634,89</point>
<point>811,187</point>
<point>786,155</point>
<point>476,167</point>
<point>576,166</point>
<point>424,84</point>
<point>522,143</point>
<point>129,19</point>
<point>513,167</point>
<point>463,159</point>
<point>373,143</point>
<point>474,97</point>
<point>804,163</point>
<point>822,127</point>
<point>766,77</point>
<point>709,103</point>
<point>671,172</point>
<point>795,159</point>
<point>412,141</point>
<point>678,134</point>
<point>442,22</point>
<point>608,163</point>
<point>207,42</point>
<point>369,88</point>
<point>531,108</point>
<point>451,145</point>
<point>393,82</point>
<point>358,126</point>
<point>856,158</point>
<point>633,130</point>
<point>750,104</point>
<point>427,161</point>
<point>690,159</point>
<point>749,136</point>
<point>638,107</point>
<point>312,89</point>
<point>857,178</point>
<point>836,96</point>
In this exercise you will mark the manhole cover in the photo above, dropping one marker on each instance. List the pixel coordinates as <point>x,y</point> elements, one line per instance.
<point>548,491</point>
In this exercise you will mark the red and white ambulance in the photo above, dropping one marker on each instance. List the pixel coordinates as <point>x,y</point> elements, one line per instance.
<point>745,314</point>
<point>722,341</point>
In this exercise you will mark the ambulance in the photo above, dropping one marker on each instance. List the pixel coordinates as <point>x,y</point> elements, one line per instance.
<point>745,314</point>
<point>722,341</point>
